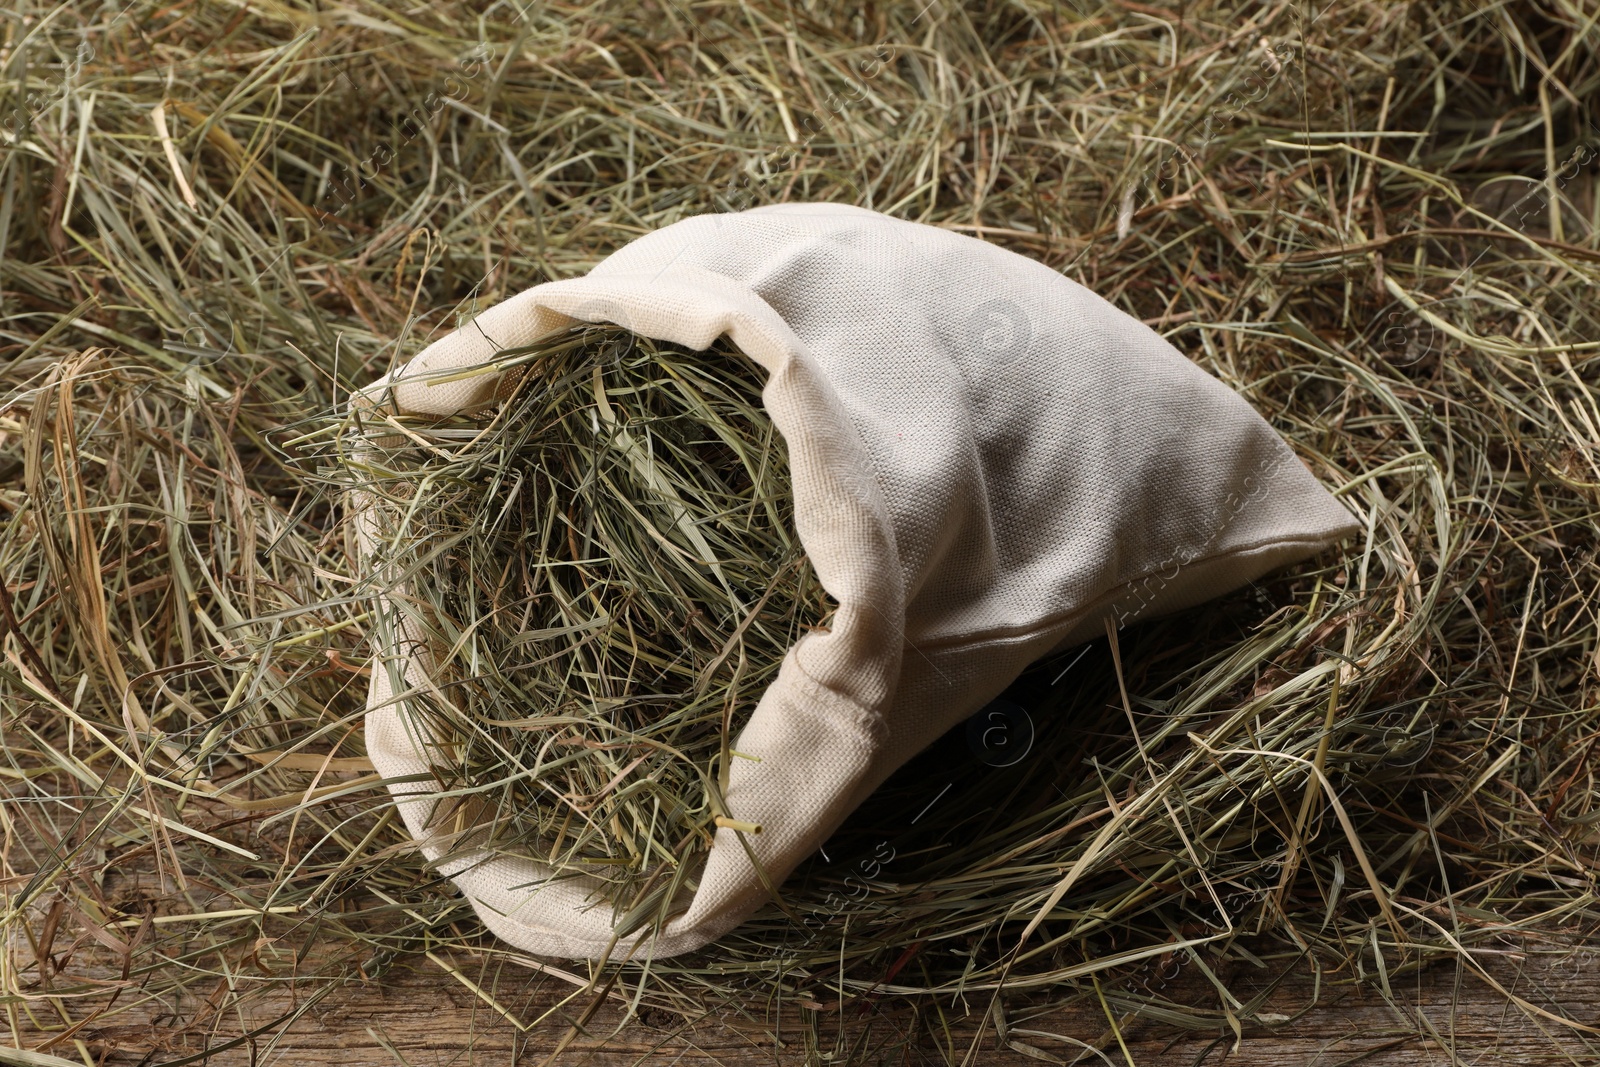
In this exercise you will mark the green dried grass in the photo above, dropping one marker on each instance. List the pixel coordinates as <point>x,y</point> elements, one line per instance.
<point>606,566</point>
<point>190,629</point>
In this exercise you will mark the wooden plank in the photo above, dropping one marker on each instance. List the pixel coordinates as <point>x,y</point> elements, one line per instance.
<point>419,1013</point>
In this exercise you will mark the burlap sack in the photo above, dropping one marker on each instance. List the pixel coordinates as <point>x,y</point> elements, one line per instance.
<point>988,459</point>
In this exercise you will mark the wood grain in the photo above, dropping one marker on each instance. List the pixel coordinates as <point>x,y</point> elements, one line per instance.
<point>421,1014</point>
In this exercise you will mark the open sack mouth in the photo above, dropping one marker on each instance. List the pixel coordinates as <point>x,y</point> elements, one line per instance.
<point>603,570</point>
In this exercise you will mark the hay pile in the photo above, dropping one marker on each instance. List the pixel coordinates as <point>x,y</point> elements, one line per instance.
<point>1377,223</point>
<point>606,567</point>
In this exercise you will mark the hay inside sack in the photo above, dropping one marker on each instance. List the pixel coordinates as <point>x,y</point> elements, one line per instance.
<point>606,568</point>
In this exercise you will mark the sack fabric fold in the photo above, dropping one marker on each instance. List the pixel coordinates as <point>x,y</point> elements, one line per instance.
<point>988,460</point>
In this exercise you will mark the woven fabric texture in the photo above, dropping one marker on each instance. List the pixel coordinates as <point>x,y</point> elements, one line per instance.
<point>989,461</point>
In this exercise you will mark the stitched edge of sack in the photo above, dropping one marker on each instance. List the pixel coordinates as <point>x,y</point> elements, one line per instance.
<point>872,724</point>
<point>1072,618</point>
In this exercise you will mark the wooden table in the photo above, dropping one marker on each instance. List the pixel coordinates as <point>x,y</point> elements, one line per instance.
<point>421,1015</point>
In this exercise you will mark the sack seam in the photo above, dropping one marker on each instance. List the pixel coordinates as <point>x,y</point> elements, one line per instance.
<point>992,636</point>
<point>872,723</point>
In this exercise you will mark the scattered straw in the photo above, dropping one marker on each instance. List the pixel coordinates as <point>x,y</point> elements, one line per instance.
<point>1377,222</point>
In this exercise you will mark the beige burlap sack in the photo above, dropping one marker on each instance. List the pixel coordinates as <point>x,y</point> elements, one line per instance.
<point>988,460</point>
